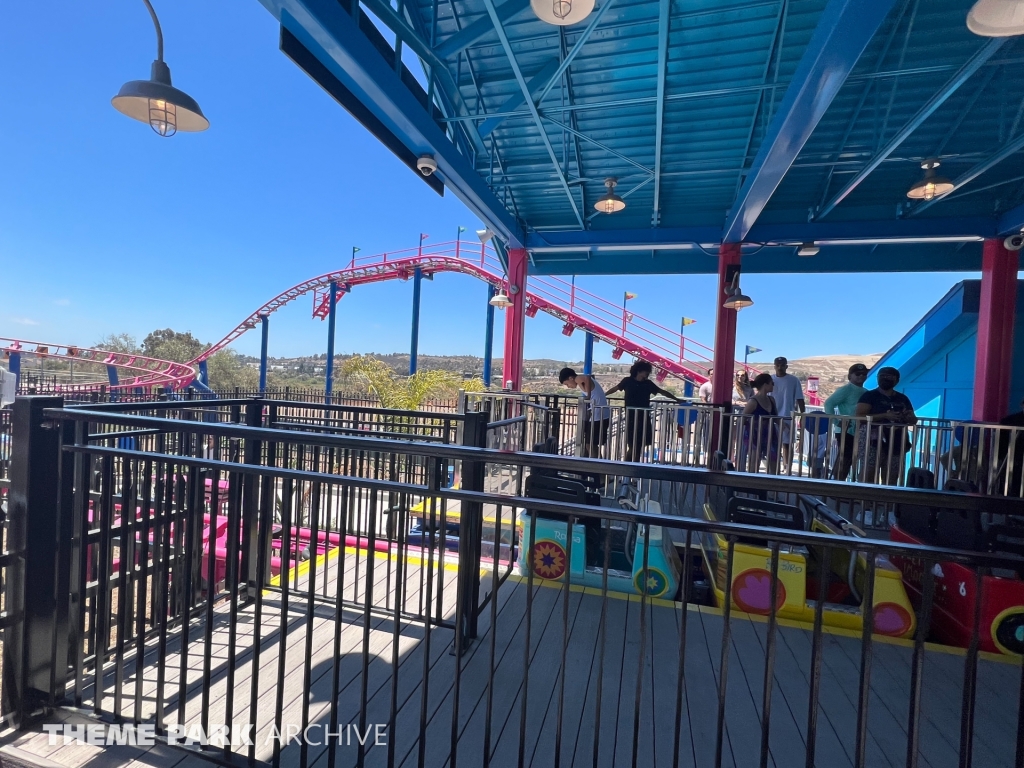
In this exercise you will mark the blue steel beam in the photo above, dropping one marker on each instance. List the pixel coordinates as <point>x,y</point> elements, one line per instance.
<point>439,72</point>
<point>489,337</point>
<point>576,48</point>
<point>892,230</point>
<point>1010,223</point>
<point>332,313</point>
<point>844,30</point>
<point>588,354</point>
<point>832,259</point>
<point>264,347</point>
<point>330,33</point>
<point>936,101</point>
<point>14,365</point>
<point>478,30</point>
<point>964,179</point>
<point>664,7</point>
<point>414,346</point>
<point>507,46</point>
<point>513,102</point>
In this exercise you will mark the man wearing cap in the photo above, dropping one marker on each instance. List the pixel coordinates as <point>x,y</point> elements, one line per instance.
<point>886,439</point>
<point>789,398</point>
<point>843,402</point>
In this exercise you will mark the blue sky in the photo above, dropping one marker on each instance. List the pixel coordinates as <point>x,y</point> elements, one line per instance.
<point>106,227</point>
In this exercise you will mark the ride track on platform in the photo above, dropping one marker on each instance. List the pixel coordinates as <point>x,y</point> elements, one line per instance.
<point>147,372</point>
<point>668,351</point>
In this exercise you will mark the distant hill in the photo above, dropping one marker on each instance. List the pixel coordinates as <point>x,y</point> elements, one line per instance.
<point>831,370</point>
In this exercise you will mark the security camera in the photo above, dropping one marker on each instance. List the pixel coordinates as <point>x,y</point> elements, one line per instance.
<point>426,165</point>
<point>1014,242</point>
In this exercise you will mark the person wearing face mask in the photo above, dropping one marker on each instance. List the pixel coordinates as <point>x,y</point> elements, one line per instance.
<point>843,402</point>
<point>886,441</point>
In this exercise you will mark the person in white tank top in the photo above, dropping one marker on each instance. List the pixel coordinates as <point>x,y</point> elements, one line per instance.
<point>598,417</point>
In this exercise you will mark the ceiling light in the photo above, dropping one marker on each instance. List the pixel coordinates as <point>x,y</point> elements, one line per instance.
<point>737,299</point>
<point>500,300</point>
<point>484,235</point>
<point>156,101</point>
<point>562,12</point>
<point>808,249</point>
<point>996,18</point>
<point>931,186</point>
<point>610,203</point>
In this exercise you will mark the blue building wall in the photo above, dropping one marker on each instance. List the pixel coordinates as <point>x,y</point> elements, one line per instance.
<point>936,358</point>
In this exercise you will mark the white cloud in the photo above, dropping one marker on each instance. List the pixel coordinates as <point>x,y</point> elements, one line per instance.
<point>23,321</point>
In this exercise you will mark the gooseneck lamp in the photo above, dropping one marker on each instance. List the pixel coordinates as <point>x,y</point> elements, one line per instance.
<point>155,101</point>
<point>737,299</point>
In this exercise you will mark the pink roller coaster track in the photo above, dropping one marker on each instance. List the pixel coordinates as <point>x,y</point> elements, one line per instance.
<point>667,350</point>
<point>146,371</point>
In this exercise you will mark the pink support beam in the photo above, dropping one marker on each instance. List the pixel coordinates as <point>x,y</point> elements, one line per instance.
<point>725,326</point>
<point>515,320</point>
<point>993,361</point>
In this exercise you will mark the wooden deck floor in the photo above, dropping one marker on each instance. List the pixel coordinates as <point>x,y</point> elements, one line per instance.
<point>617,731</point>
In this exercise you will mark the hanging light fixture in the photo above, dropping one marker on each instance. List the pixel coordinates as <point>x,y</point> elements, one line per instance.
<point>996,18</point>
<point>156,101</point>
<point>562,12</point>
<point>737,299</point>
<point>931,186</point>
<point>500,300</point>
<point>808,249</point>
<point>610,203</point>
<point>484,235</point>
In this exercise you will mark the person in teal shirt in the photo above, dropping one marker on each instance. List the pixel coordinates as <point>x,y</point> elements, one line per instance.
<point>844,403</point>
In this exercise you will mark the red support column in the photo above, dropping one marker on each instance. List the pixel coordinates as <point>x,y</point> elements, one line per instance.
<point>993,361</point>
<point>725,326</point>
<point>515,320</point>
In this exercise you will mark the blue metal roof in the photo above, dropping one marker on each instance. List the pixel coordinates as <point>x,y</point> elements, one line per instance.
<point>768,122</point>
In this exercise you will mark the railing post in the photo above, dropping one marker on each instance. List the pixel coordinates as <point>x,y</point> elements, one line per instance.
<point>252,454</point>
<point>581,413</point>
<point>474,434</point>
<point>38,582</point>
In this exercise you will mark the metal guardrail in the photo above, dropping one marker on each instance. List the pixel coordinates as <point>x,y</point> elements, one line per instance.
<point>155,576</point>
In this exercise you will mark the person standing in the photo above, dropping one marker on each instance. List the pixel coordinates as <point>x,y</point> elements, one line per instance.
<point>885,441</point>
<point>760,435</point>
<point>598,417</point>
<point>742,389</point>
<point>706,389</point>
<point>843,403</point>
<point>789,398</point>
<point>638,389</point>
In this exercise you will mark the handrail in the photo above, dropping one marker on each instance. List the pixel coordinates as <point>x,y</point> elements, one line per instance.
<point>699,475</point>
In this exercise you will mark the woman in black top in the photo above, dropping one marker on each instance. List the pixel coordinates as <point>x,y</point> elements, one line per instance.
<point>638,388</point>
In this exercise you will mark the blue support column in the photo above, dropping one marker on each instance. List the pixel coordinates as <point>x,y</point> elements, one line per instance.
<point>265,319</point>
<point>112,375</point>
<point>331,314</point>
<point>588,354</point>
<point>204,374</point>
<point>489,337</point>
<point>414,347</point>
<point>14,365</point>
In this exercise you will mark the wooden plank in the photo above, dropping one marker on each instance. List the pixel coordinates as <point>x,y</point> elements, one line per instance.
<point>702,692</point>
<point>379,707</point>
<point>787,744</point>
<point>509,674</point>
<point>662,679</point>
<point>579,663</point>
<point>837,712</point>
<point>607,677</point>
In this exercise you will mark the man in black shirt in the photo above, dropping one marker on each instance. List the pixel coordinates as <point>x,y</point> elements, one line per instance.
<point>638,389</point>
<point>886,434</point>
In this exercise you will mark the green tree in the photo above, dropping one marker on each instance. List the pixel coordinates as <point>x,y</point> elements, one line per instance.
<point>119,342</point>
<point>227,371</point>
<point>403,392</point>
<point>169,344</point>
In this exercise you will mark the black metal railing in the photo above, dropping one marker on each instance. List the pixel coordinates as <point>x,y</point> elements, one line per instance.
<point>327,604</point>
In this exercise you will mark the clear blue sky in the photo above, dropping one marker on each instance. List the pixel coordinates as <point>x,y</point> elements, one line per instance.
<point>106,227</point>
